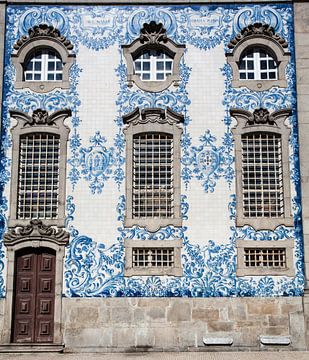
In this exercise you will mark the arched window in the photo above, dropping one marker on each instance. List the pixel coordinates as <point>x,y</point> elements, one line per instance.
<point>153,59</point>
<point>258,58</point>
<point>153,65</point>
<point>42,60</point>
<point>43,65</point>
<point>258,64</point>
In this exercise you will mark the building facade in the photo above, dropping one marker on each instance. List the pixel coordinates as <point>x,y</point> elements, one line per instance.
<point>154,176</point>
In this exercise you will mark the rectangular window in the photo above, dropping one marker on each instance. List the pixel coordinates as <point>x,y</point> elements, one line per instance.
<point>38,176</point>
<point>262,175</point>
<point>153,257</point>
<point>265,257</point>
<point>153,175</point>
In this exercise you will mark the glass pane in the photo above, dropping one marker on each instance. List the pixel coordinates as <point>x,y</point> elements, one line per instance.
<point>37,66</point>
<point>58,76</point>
<point>168,65</point>
<point>146,55</point>
<point>160,65</point>
<point>272,75</point>
<point>263,76</point>
<point>50,77</point>
<point>242,76</point>
<point>242,65</point>
<point>37,76</point>
<point>271,64</point>
<point>146,66</point>
<point>250,65</point>
<point>160,76</point>
<point>138,66</point>
<point>59,65</point>
<point>29,66</point>
<point>28,76</point>
<point>263,64</point>
<point>146,77</point>
<point>250,76</point>
<point>51,66</point>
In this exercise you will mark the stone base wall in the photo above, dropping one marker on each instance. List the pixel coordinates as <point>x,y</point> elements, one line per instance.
<point>130,324</point>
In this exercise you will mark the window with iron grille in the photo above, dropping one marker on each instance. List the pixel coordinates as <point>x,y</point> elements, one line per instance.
<point>153,257</point>
<point>265,257</point>
<point>153,175</point>
<point>262,175</point>
<point>38,177</point>
<point>257,64</point>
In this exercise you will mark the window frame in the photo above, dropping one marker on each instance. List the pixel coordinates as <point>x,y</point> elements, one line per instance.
<point>243,270</point>
<point>247,123</point>
<point>47,38</point>
<point>263,37</point>
<point>27,125</point>
<point>175,270</point>
<point>161,121</point>
<point>153,37</point>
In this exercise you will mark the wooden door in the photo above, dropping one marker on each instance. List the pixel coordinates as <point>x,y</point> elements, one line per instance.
<point>34,296</point>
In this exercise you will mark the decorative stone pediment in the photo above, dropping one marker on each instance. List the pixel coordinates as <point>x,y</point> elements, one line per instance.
<point>153,115</point>
<point>40,117</point>
<point>257,29</point>
<point>153,33</point>
<point>260,117</point>
<point>36,230</point>
<point>43,30</point>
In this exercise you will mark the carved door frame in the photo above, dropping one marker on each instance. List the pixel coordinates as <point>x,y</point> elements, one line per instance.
<point>8,312</point>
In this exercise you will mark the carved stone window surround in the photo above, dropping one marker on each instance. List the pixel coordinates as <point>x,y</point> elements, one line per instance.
<point>258,36</point>
<point>42,37</point>
<point>39,122</point>
<point>153,37</point>
<point>243,270</point>
<point>161,121</point>
<point>175,270</point>
<point>263,122</point>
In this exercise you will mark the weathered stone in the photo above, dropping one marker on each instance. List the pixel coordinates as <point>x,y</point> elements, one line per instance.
<point>237,312</point>
<point>84,317</point>
<point>156,313</point>
<point>179,312</point>
<point>278,320</point>
<point>123,337</point>
<point>145,337</point>
<point>166,337</point>
<point>220,326</point>
<point>298,330</point>
<point>276,330</point>
<point>121,315</point>
<point>205,314</point>
<point>152,302</point>
<point>263,307</point>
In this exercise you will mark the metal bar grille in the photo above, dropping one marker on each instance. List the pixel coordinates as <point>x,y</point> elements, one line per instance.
<point>262,175</point>
<point>149,257</point>
<point>153,175</point>
<point>38,178</point>
<point>270,258</point>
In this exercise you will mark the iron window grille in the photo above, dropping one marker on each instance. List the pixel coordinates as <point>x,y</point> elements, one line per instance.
<point>38,178</point>
<point>265,257</point>
<point>262,175</point>
<point>152,257</point>
<point>153,187</point>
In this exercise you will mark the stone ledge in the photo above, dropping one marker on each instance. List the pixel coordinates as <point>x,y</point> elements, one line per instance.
<point>208,340</point>
<point>275,340</point>
<point>31,347</point>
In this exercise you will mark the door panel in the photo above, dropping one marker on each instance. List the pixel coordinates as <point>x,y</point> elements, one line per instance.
<point>34,296</point>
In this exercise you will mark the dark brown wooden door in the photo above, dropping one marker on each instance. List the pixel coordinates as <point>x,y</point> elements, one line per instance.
<point>33,319</point>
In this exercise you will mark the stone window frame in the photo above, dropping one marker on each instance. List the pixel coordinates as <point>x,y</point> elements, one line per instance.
<point>130,244</point>
<point>153,120</point>
<point>42,37</point>
<point>262,121</point>
<point>153,37</point>
<point>39,122</point>
<point>258,36</point>
<point>34,235</point>
<point>242,270</point>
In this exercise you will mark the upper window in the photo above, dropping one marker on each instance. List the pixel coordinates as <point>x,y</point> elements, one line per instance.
<point>153,59</point>
<point>153,65</point>
<point>43,65</point>
<point>257,64</point>
<point>38,168</point>
<point>153,168</point>
<point>42,60</point>
<point>258,58</point>
<point>262,168</point>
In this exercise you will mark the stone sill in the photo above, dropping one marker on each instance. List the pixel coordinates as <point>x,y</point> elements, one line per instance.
<point>31,348</point>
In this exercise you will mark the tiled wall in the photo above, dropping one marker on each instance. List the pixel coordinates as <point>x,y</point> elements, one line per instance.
<point>99,97</point>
